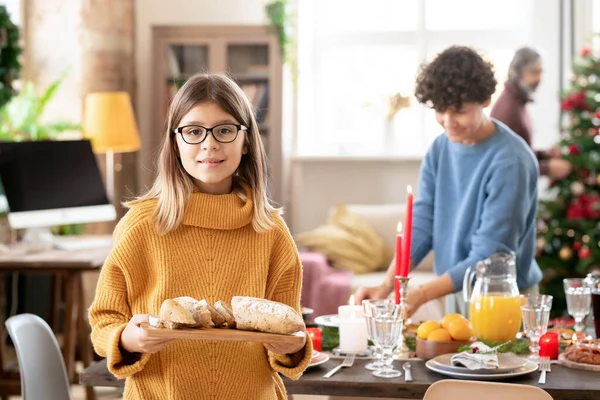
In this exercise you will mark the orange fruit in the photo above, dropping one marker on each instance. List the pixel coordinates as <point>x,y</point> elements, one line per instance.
<point>460,329</point>
<point>439,335</point>
<point>426,328</point>
<point>449,318</point>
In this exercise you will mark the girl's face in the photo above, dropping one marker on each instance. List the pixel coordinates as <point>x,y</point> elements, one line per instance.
<point>211,164</point>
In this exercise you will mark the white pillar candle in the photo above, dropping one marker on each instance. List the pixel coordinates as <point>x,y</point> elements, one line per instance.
<point>350,310</point>
<point>353,335</point>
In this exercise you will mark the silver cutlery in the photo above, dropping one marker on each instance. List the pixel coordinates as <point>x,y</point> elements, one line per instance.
<point>348,362</point>
<point>407,375</point>
<point>544,367</point>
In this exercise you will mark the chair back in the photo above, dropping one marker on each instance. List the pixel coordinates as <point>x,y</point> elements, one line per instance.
<point>449,389</point>
<point>41,365</point>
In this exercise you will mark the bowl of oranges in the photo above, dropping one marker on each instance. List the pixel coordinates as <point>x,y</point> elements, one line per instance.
<point>436,338</point>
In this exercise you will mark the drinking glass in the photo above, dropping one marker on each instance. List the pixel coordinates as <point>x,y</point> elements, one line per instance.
<point>386,327</point>
<point>536,312</point>
<point>579,301</point>
<point>367,306</point>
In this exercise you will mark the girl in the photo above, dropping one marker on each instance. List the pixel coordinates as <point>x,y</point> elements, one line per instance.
<point>205,229</point>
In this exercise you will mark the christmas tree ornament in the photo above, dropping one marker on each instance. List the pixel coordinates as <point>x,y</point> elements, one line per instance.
<point>577,188</point>
<point>594,156</point>
<point>583,81</point>
<point>558,231</point>
<point>540,242</point>
<point>597,139</point>
<point>592,132</point>
<point>584,252</point>
<point>574,149</point>
<point>577,132</point>
<point>585,238</point>
<point>577,246</point>
<point>592,179</point>
<point>585,52</point>
<point>556,243</point>
<point>565,253</point>
<point>592,78</point>
<point>570,233</point>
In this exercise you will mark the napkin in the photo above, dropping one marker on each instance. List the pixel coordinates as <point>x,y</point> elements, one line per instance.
<point>485,358</point>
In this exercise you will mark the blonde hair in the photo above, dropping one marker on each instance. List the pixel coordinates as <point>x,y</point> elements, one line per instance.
<point>173,184</point>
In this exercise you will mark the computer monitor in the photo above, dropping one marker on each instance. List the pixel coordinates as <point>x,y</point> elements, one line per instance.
<point>49,183</point>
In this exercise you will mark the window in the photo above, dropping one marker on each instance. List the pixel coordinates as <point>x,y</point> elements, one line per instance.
<point>354,56</point>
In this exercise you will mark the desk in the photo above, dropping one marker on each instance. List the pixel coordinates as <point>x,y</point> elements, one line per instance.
<point>562,383</point>
<point>66,267</point>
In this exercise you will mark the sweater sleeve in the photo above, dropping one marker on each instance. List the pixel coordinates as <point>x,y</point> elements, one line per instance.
<point>510,193</point>
<point>422,232</point>
<point>110,313</point>
<point>285,285</point>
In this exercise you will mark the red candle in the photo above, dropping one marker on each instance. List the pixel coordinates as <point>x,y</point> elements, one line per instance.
<point>398,262</point>
<point>316,336</point>
<point>549,342</point>
<point>407,233</point>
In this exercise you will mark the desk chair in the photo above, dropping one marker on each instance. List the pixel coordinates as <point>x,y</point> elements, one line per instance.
<point>449,389</point>
<point>41,365</point>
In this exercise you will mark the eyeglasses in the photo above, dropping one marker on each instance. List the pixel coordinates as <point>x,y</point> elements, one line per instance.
<point>223,133</point>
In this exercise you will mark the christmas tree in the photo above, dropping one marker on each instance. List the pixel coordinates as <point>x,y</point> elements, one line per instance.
<point>568,243</point>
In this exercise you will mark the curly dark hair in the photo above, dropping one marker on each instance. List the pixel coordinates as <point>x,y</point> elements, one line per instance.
<point>457,75</point>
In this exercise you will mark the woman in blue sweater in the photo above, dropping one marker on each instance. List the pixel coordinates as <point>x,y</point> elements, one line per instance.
<point>478,186</point>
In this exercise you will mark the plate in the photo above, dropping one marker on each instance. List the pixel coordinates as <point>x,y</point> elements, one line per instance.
<point>318,359</point>
<point>527,369</point>
<point>506,363</point>
<point>332,320</point>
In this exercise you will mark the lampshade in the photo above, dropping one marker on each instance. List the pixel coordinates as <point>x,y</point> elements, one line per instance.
<point>108,121</point>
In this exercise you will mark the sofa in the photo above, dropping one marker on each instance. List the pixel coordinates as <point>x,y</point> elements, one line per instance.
<point>325,288</point>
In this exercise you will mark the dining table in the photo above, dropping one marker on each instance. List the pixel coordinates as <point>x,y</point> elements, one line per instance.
<point>562,383</point>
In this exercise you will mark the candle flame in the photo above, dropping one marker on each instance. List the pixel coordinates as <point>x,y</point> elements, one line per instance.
<point>352,302</point>
<point>399,227</point>
<point>409,189</point>
<point>574,337</point>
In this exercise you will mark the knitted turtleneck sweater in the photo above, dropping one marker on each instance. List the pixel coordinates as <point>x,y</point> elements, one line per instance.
<point>214,255</point>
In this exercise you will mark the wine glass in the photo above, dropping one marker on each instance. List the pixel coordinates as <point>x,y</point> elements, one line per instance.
<point>579,301</point>
<point>386,327</point>
<point>368,305</point>
<point>536,313</point>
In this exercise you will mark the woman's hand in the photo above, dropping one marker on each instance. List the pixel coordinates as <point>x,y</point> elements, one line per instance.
<point>415,298</point>
<point>133,339</point>
<point>373,293</point>
<point>284,348</point>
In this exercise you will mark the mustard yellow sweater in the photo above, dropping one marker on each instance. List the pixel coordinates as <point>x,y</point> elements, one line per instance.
<point>214,255</point>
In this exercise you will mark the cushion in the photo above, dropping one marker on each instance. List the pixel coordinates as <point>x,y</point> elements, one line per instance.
<point>348,242</point>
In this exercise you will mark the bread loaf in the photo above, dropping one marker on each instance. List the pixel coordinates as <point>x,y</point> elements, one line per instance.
<point>253,313</point>
<point>175,313</point>
<point>224,309</point>
<point>198,311</point>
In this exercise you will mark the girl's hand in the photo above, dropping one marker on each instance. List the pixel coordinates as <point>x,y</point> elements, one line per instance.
<point>134,341</point>
<point>283,348</point>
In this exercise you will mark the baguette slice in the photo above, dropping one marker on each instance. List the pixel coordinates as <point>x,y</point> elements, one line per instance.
<point>263,315</point>
<point>216,316</point>
<point>224,309</point>
<point>174,314</point>
<point>199,312</point>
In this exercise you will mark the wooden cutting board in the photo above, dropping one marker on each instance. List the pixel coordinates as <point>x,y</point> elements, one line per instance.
<point>223,334</point>
<point>572,364</point>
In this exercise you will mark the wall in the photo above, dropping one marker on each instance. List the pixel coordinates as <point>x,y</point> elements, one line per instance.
<point>149,13</point>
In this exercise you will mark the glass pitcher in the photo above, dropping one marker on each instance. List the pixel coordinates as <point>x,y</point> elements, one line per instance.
<point>494,304</point>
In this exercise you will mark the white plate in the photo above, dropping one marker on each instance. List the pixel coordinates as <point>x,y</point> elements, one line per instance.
<point>527,369</point>
<point>318,359</point>
<point>332,320</point>
<point>507,362</point>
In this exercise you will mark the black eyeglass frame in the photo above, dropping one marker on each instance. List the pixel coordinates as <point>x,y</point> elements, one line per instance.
<point>238,127</point>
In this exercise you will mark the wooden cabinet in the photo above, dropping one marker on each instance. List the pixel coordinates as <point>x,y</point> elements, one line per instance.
<point>249,54</point>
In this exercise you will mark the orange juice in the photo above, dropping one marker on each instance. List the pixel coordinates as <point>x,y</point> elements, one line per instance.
<point>495,317</point>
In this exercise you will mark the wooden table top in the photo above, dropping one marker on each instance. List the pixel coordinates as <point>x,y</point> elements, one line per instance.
<point>562,383</point>
<point>86,259</point>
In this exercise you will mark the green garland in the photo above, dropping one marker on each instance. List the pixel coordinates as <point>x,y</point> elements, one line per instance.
<point>10,51</point>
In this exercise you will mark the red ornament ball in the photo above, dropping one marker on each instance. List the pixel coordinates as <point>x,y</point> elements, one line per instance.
<point>585,52</point>
<point>584,252</point>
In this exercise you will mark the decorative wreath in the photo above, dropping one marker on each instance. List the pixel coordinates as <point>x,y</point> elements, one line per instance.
<point>10,50</point>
